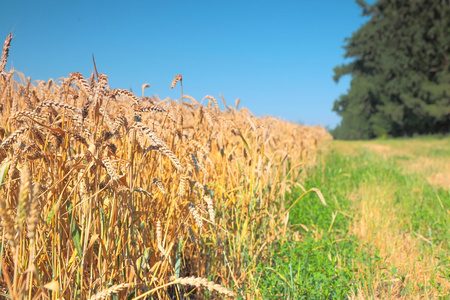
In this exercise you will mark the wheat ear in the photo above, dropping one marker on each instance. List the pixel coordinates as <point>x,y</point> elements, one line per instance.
<point>175,80</point>
<point>203,282</point>
<point>5,53</point>
<point>213,100</point>
<point>13,138</point>
<point>182,187</point>
<point>198,282</point>
<point>159,238</point>
<point>33,216</point>
<point>24,195</point>
<point>159,185</point>
<point>109,291</point>
<point>163,148</point>
<point>210,205</point>
<point>196,215</point>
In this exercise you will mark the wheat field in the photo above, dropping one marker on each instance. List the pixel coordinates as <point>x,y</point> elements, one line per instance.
<point>103,192</point>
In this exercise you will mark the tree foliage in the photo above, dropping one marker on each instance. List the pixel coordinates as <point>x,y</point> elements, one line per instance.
<point>400,71</point>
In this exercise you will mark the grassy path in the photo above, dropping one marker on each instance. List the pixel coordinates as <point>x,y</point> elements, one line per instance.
<point>384,234</point>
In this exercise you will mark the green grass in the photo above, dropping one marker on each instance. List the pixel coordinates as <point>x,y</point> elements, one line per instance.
<point>323,257</point>
<point>321,265</point>
<point>308,269</point>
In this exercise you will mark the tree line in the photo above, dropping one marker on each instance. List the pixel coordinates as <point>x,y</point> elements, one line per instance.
<point>400,71</point>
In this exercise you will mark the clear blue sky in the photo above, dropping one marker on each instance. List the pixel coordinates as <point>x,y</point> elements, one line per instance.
<point>276,56</point>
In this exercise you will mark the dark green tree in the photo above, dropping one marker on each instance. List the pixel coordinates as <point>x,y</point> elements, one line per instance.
<point>400,71</point>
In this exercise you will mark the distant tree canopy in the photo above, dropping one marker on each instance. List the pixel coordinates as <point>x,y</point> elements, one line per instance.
<point>400,73</point>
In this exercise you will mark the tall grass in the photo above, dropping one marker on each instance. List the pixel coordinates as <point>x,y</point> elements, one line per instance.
<point>105,193</point>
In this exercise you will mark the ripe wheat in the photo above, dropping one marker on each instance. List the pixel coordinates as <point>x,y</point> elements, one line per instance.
<point>98,186</point>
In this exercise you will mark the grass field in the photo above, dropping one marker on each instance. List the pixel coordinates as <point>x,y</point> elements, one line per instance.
<point>384,233</point>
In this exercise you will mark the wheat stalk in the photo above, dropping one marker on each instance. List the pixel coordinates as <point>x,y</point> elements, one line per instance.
<point>144,86</point>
